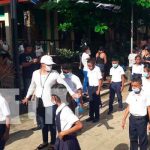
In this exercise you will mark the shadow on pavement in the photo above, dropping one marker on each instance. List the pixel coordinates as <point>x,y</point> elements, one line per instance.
<point>22,134</point>
<point>122,146</point>
<point>104,118</point>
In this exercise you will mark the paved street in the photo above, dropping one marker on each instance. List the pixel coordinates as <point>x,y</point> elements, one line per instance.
<point>105,135</point>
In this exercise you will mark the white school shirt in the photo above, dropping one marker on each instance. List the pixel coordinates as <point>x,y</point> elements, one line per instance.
<point>138,103</point>
<point>67,117</point>
<point>94,76</point>
<point>116,73</point>
<point>131,59</point>
<point>4,109</point>
<point>73,82</point>
<point>138,69</point>
<point>146,85</point>
<point>84,59</point>
<point>36,86</point>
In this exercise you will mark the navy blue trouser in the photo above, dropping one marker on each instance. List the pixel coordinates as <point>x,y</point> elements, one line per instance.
<point>138,132</point>
<point>94,102</point>
<point>115,88</point>
<point>2,131</point>
<point>46,117</point>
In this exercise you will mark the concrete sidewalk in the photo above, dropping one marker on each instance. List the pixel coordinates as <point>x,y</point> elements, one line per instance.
<point>105,135</point>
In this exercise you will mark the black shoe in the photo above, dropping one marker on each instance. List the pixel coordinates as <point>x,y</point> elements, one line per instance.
<point>41,146</point>
<point>89,119</point>
<point>96,120</point>
<point>109,112</point>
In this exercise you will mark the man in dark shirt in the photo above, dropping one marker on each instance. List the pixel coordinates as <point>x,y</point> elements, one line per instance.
<point>29,64</point>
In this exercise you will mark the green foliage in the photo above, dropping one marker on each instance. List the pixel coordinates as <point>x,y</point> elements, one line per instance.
<point>101,28</point>
<point>65,26</point>
<point>144,3</point>
<point>67,53</point>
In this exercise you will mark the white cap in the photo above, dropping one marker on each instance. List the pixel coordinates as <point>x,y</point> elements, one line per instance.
<point>46,59</point>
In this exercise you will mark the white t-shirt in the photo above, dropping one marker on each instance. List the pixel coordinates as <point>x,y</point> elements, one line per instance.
<point>4,109</point>
<point>131,59</point>
<point>138,69</point>
<point>116,73</point>
<point>67,117</point>
<point>73,82</point>
<point>37,88</point>
<point>84,59</point>
<point>146,85</point>
<point>94,76</point>
<point>138,103</point>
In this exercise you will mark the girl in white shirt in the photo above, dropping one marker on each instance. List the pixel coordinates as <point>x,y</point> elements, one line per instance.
<point>137,69</point>
<point>67,125</point>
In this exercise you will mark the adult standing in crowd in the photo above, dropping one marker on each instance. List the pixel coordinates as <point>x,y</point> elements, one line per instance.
<point>101,59</point>
<point>85,56</point>
<point>42,83</point>
<point>4,122</point>
<point>146,58</point>
<point>28,62</point>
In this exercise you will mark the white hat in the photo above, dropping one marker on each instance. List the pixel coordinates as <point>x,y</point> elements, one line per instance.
<point>46,59</point>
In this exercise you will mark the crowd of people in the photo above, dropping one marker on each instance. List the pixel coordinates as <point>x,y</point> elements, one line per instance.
<point>60,118</point>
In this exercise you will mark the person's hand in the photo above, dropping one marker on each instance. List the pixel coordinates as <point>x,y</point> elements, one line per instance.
<point>148,127</point>
<point>5,136</point>
<point>122,88</point>
<point>61,135</point>
<point>25,101</point>
<point>97,92</point>
<point>35,60</point>
<point>123,123</point>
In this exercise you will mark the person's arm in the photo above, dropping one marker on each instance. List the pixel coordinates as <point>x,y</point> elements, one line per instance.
<point>6,134</point>
<point>148,110</point>
<point>61,81</point>
<point>77,126</point>
<point>27,64</point>
<point>99,86</point>
<point>125,117</point>
<point>123,81</point>
<point>105,59</point>
<point>30,90</point>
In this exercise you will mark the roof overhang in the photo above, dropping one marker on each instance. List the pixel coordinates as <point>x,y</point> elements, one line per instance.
<point>4,2</point>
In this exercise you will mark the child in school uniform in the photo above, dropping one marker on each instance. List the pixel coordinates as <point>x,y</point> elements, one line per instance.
<point>67,125</point>
<point>117,84</point>
<point>74,83</point>
<point>146,78</point>
<point>138,105</point>
<point>137,69</point>
<point>95,83</point>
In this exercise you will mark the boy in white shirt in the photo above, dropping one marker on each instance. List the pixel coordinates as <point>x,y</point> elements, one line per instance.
<point>4,122</point>
<point>67,125</point>
<point>117,84</point>
<point>95,83</point>
<point>146,79</point>
<point>138,105</point>
<point>74,83</point>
